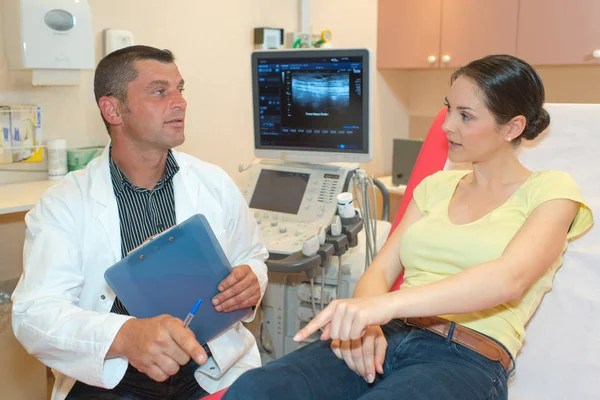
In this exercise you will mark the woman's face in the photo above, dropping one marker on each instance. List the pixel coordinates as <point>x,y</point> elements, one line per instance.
<point>471,130</point>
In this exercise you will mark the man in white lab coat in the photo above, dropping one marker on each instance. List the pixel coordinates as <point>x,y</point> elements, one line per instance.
<point>66,315</point>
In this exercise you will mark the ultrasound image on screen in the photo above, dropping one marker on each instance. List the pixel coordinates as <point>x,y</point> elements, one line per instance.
<point>320,94</point>
<point>318,99</point>
<point>313,103</point>
<point>279,191</point>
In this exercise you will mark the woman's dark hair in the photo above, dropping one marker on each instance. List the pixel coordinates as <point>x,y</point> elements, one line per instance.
<point>509,87</point>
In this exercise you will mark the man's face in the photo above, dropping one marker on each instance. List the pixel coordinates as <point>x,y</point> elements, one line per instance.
<point>154,113</point>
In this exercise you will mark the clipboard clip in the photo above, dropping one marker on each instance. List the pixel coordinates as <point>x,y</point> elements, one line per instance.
<point>151,238</point>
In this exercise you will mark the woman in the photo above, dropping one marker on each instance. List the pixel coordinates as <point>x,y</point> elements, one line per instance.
<point>479,248</point>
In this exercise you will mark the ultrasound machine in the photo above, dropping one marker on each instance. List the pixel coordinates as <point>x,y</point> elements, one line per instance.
<point>311,129</point>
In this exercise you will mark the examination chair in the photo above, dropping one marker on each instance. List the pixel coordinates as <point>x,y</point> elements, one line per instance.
<point>560,358</point>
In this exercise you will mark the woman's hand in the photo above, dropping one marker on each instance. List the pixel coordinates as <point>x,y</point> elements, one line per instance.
<point>365,355</point>
<point>348,319</point>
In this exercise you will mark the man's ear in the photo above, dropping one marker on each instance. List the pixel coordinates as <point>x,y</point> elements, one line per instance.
<point>110,109</point>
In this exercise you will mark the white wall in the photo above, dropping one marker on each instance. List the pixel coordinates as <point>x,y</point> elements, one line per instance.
<point>212,42</point>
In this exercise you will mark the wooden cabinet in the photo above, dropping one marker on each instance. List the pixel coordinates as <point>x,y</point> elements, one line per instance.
<point>446,33</point>
<point>559,32</point>
<point>472,29</point>
<point>451,33</point>
<point>408,33</point>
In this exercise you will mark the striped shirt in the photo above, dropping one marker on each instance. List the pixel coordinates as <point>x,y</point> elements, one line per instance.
<point>143,212</point>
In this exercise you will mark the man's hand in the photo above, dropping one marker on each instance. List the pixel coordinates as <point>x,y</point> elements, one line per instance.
<point>365,355</point>
<point>157,346</point>
<point>239,290</point>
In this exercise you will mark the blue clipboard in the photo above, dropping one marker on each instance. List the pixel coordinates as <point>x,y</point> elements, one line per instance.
<point>168,274</point>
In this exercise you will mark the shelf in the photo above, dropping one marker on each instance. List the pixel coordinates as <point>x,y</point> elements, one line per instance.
<point>19,197</point>
<point>392,189</point>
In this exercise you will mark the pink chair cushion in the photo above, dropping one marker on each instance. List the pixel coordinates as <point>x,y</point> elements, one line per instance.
<point>215,396</point>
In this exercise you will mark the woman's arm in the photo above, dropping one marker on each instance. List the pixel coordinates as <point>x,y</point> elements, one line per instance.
<point>385,269</point>
<point>535,247</point>
<point>367,355</point>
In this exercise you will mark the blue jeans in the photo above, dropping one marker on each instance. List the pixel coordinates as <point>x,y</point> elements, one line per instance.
<point>419,365</point>
<point>138,386</point>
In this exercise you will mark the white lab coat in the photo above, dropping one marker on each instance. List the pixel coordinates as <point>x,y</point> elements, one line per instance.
<point>61,306</point>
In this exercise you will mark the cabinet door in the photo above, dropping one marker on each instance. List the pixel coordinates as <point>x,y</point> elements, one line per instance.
<point>472,29</point>
<point>408,33</point>
<point>555,32</point>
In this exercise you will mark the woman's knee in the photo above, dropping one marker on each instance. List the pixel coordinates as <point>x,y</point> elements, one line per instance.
<point>249,385</point>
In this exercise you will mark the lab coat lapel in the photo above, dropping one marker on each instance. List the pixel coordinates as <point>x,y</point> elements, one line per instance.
<point>186,187</point>
<point>105,208</point>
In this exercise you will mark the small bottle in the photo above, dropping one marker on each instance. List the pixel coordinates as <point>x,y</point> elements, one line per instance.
<point>345,205</point>
<point>56,149</point>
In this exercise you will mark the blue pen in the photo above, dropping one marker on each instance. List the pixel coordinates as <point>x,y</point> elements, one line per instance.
<point>190,316</point>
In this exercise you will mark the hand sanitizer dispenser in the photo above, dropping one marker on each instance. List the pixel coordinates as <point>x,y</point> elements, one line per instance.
<point>53,38</point>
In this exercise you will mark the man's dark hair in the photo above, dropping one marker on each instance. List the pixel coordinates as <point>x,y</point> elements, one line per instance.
<point>116,70</point>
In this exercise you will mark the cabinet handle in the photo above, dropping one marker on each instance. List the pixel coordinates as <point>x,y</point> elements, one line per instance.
<point>596,54</point>
<point>446,59</point>
<point>431,59</point>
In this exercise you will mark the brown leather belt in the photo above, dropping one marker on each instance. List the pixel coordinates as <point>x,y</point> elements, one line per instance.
<point>464,336</point>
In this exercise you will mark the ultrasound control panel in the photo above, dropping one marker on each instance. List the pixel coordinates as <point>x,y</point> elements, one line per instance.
<point>291,202</point>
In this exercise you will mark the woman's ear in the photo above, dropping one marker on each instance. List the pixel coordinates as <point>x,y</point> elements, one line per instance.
<point>515,126</point>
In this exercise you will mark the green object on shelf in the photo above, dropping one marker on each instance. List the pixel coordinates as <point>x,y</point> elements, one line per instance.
<point>80,158</point>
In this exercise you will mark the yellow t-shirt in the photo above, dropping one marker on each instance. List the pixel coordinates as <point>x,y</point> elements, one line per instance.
<point>434,248</point>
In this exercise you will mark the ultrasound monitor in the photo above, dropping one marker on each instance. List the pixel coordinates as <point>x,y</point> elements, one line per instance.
<point>312,106</point>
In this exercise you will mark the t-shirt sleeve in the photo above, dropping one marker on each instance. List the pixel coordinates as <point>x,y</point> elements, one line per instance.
<point>559,185</point>
<point>420,195</point>
<point>427,191</point>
